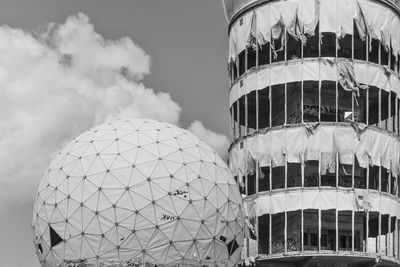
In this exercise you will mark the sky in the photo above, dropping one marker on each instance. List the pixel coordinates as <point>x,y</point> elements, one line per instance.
<point>66,66</point>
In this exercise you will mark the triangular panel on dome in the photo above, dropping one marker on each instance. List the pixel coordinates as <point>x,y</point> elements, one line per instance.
<point>172,166</point>
<point>160,170</point>
<point>192,225</point>
<point>129,154</point>
<point>157,239</point>
<point>93,227</point>
<point>124,206</point>
<point>131,242</point>
<point>147,167</point>
<point>94,241</point>
<point>55,238</point>
<point>86,249</point>
<point>114,194</point>
<point>181,233</point>
<point>89,190</point>
<point>158,253</point>
<point>144,235</point>
<point>175,156</point>
<point>119,163</point>
<point>173,253</point>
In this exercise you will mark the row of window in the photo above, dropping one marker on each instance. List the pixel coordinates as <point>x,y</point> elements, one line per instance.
<point>311,101</point>
<point>314,230</point>
<point>310,175</point>
<point>349,46</point>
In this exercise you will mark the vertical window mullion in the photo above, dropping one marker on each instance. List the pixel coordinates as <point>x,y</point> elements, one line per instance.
<point>352,230</point>
<point>379,108</point>
<point>285,232</point>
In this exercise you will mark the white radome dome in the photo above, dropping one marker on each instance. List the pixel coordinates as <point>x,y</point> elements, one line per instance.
<point>134,191</point>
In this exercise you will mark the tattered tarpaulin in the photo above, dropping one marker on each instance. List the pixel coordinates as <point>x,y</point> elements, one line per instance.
<point>337,16</point>
<point>347,78</point>
<point>251,215</point>
<point>372,147</point>
<point>324,199</point>
<point>313,70</point>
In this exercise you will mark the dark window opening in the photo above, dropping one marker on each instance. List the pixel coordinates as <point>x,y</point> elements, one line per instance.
<point>393,97</point>
<point>393,62</point>
<point>310,240</point>
<point>360,107</point>
<point>293,175</point>
<point>373,226</point>
<point>263,54</point>
<point>311,49</point>
<point>263,179</point>
<point>394,244</point>
<point>328,229</point>
<point>385,109</point>
<point>263,230</point>
<point>398,117</point>
<point>345,46</point>
<point>360,230</point>
<point>360,49</point>
<point>360,175</point>
<point>384,55</point>
<point>294,230</point>
<point>252,111</point>
<point>278,232</point>
<point>242,116</point>
<point>310,101</point>
<point>251,57</point>
<point>278,104</point>
<point>293,102</point>
<point>40,248</point>
<point>345,230</point>
<point>242,62</point>
<point>233,71</point>
<point>329,178</point>
<point>373,105</point>
<point>384,180</point>
<point>263,108</point>
<point>279,54</point>
<point>392,184</point>
<point>373,177</point>
<point>55,239</point>
<point>344,104</point>
<point>345,175</point>
<point>373,53</point>
<point>384,237</point>
<point>328,101</point>
<point>293,48</point>
<point>251,184</point>
<point>328,45</point>
<point>278,177</point>
<point>311,173</point>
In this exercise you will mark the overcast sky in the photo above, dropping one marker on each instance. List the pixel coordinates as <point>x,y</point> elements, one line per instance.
<point>68,65</point>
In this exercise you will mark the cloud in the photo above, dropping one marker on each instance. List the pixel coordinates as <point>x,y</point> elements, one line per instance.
<point>60,82</point>
<point>217,141</point>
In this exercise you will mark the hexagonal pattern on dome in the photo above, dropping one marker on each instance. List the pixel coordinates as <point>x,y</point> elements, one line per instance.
<point>133,191</point>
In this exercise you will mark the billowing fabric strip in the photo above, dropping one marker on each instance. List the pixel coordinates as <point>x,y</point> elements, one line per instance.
<point>355,74</point>
<point>300,144</point>
<point>326,199</point>
<point>300,18</point>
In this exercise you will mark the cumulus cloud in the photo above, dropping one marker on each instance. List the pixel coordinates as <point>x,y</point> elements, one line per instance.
<point>58,83</point>
<point>217,141</point>
<point>62,81</point>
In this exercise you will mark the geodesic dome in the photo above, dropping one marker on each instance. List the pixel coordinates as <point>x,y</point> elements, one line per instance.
<point>134,191</point>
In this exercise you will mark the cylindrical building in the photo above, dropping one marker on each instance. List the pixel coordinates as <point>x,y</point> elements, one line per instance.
<point>314,104</point>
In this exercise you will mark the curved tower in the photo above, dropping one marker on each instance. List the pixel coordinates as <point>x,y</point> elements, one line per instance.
<point>314,104</point>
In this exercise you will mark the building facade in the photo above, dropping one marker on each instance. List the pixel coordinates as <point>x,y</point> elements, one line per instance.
<point>314,104</point>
